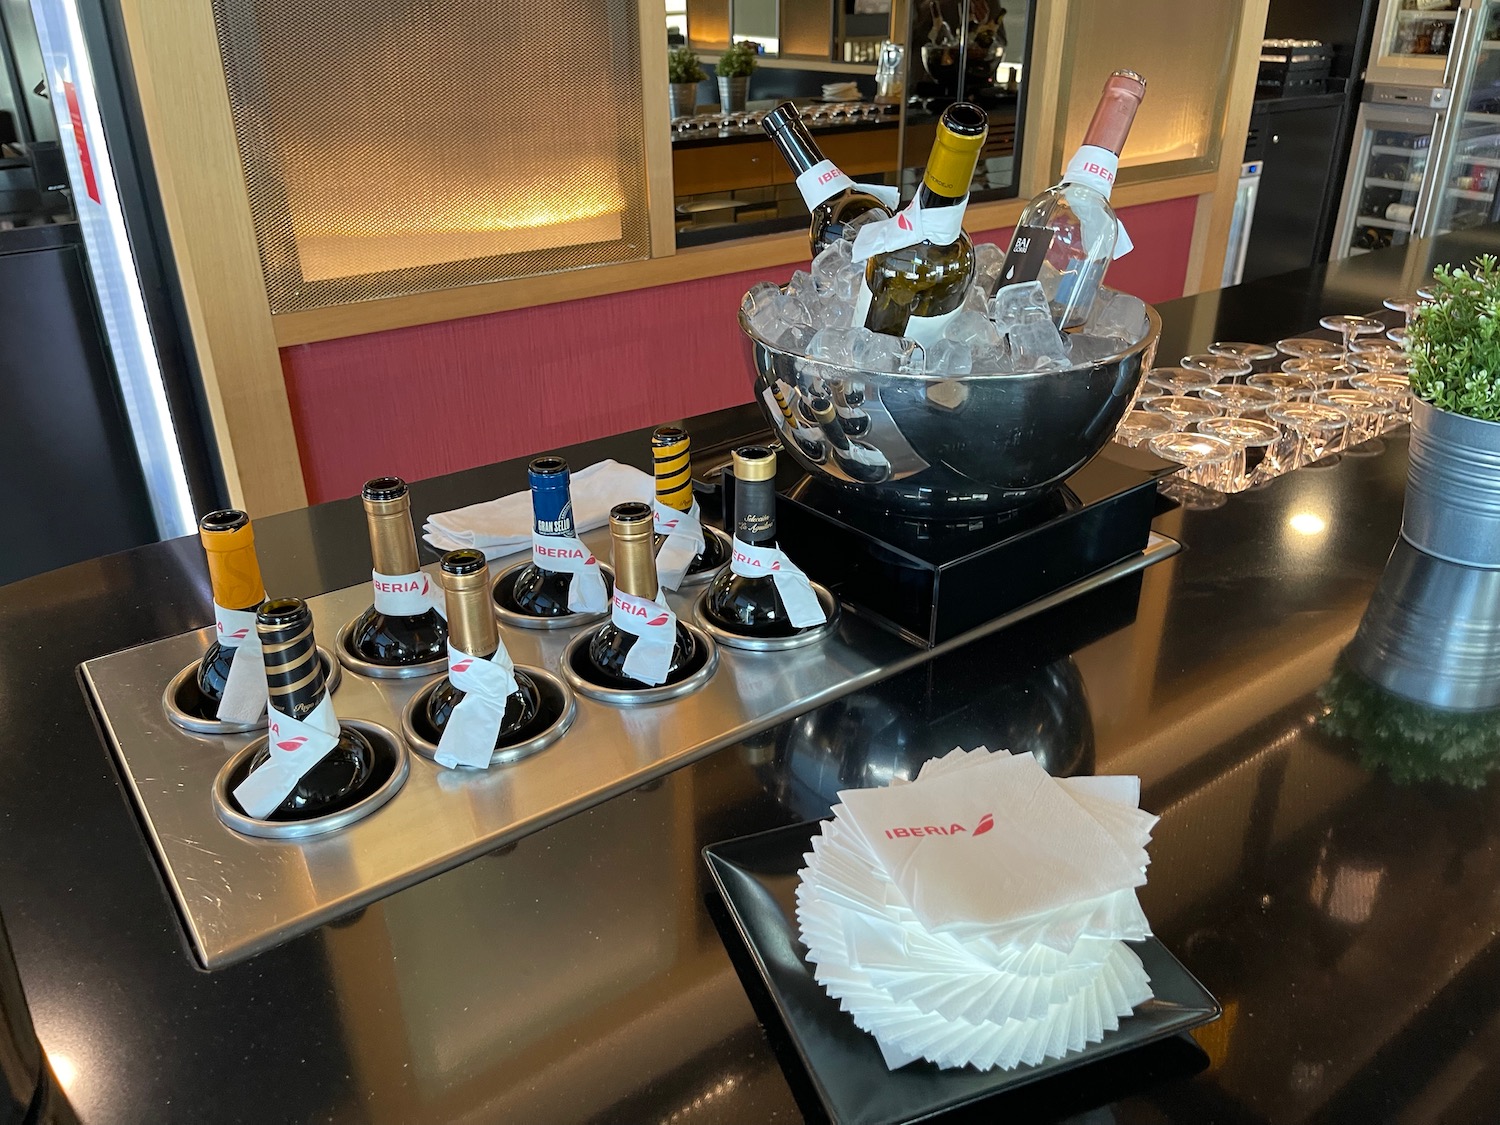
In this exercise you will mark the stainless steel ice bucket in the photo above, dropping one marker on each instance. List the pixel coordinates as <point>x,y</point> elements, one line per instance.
<point>1453,487</point>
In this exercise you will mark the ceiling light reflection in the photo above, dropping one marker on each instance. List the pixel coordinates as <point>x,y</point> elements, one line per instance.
<point>1308,523</point>
<point>64,1069</point>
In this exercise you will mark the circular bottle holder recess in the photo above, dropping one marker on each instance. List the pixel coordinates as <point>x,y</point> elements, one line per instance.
<point>188,707</point>
<point>555,703</point>
<point>502,597</point>
<point>362,667</point>
<point>392,764</point>
<point>578,671</point>
<point>811,635</point>
<point>701,577</point>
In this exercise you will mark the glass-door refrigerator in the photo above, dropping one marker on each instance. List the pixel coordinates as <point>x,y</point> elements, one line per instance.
<point>1390,167</point>
<point>1466,181</point>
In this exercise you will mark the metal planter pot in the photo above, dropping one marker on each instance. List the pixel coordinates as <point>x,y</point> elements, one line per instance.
<point>684,98</point>
<point>732,93</point>
<point>1453,487</point>
<point>1431,633</point>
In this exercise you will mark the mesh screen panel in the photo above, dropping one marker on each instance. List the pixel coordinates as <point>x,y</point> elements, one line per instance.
<point>401,146</point>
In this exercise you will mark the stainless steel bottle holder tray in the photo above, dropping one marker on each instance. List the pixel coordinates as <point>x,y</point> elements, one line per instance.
<point>505,581</point>
<point>703,577</point>
<point>572,663</point>
<point>554,694</point>
<point>172,699</point>
<point>238,895</point>
<point>812,635</point>
<point>390,758</point>
<point>362,667</point>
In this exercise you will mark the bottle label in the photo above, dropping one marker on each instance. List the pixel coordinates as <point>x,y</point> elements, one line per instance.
<point>244,698</point>
<point>909,226</point>
<point>824,180</point>
<point>1027,253</point>
<point>406,595</point>
<point>803,609</point>
<point>567,553</point>
<point>684,542</point>
<point>487,684</point>
<point>655,628</point>
<point>296,746</point>
<point>1094,168</point>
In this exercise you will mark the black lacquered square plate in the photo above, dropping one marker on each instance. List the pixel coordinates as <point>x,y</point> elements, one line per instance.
<point>757,876</point>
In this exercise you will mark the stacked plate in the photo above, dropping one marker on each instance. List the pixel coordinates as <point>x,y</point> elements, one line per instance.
<point>841,92</point>
<point>977,915</point>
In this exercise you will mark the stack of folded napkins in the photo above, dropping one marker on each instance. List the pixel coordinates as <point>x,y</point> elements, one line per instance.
<point>977,915</point>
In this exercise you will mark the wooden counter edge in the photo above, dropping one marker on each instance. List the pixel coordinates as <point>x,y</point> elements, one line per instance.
<point>695,264</point>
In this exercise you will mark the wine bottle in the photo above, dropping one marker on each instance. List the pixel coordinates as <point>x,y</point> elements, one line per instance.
<point>234,574</point>
<point>294,678</point>
<point>674,488</point>
<point>630,532</point>
<point>862,462</point>
<point>913,291</point>
<point>849,403</point>
<point>1067,236</point>
<point>734,601</point>
<point>382,635</point>
<point>465,576</point>
<point>832,197</point>
<point>538,591</point>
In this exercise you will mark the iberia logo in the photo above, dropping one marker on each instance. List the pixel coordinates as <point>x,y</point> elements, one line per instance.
<point>461,666</point>
<point>291,743</point>
<point>668,524</point>
<point>986,824</point>
<point>903,222</point>
<point>662,620</point>
<point>426,584</point>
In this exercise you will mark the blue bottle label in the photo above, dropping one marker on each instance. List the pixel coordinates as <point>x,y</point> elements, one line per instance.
<point>552,503</point>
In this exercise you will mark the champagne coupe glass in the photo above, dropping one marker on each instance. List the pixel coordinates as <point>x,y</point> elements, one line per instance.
<point>1426,293</point>
<point>1282,384</point>
<point>1139,426</point>
<point>1238,349</point>
<point>1220,367</point>
<point>1182,411</point>
<point>1310,347</point>
<point>1316,429</point>
<point>1376,346</point>
<point>1399,363</point>
<point>1206,460</point>
<point>1350,327</point>
<point>1254,440</point>
<point>1403,305</point>
<point>1368,412</point>
<point>1399,335</point>
<point>1393,386</point>
<point>1179,380</point>
<point>1236,399</point>
<point>1323,372</point>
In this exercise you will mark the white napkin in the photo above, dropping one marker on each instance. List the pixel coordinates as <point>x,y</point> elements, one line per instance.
<point>655,628</point>
<point>803,609</point>
<point>909,226</point>
<point>500,527</point>
<point>296,746</point>
<point>244,698</point>
<point>684,542</point>
<point>487,684</point>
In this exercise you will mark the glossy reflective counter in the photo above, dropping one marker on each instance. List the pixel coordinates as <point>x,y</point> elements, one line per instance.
<point>1349,926</point>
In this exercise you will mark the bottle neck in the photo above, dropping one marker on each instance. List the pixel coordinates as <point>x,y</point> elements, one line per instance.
<point>233,568</point>
<point>393,544</point>
<point>1113,116</point>
<point>755,511</point>
<point>552,507</point>
<point>790,136</point>
<point>950,167</point>
<point>634,560</point>
<point>471,620</point>
<point>673,468</point>
<point>294,672</point>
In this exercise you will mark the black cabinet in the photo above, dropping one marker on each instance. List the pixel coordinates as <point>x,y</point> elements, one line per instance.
<point>1298,139</point>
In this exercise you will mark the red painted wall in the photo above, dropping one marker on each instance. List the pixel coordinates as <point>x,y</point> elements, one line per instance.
<point>436,398</point>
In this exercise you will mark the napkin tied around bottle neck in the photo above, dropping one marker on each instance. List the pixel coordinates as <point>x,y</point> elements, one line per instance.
<point>655,628</point>
<point>244,697</point>
<point>487,684</point>
<point>568,553</point>
<point>825,179</point>
<point>749,560</point>
<point>296,746</point>
<point>407,595</point>
<point>1096,167</point>
<point>684,542</point>
<point>909,226</point>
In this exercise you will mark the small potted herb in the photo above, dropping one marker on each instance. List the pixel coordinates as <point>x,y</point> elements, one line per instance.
<point>683,76</point>
<point>1453,486</point>
<point>733,71</point>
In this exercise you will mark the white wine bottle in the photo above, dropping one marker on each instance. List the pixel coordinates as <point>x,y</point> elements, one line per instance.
<point>1068,235</point>
<point>922,263</point>
<point>833,198</point>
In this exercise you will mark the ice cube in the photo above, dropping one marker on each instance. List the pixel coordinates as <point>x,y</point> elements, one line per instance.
<point>989,360</point>
<point>971,329</point>
<point>829,264</point>
<point>948,357</point>
<point>1084,348</point>
<point>833,345</point>
<point>794,338</point>
<point>1012,302</point>
<point>1036,344</point>
<point>826,311</point>
<point>760,294</point>
<point>847,281</point>
<point>1118,314</point>
<point>792,309</point>
<point>879,352</point>
<point>976,301</point>
<point>988,257</point>
<point>802,284</point>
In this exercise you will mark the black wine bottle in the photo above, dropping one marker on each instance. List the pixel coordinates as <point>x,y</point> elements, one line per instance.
<point>834,199</point>
<point>539,591</point>
<point>742,603</point>
<point>234,574</point>
<point>670,446</point>
<point>383,636</point>
<point>860,461</point>
<point>634,557</point>
<point>471,627</point>
<point>294,677</point>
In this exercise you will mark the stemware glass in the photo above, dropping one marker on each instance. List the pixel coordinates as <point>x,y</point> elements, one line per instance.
<point>1403,305</point>
<point>1254,439</point>
<point>1310,347</point>
<point>1182,411</point>
<point>1426,293</point>
<point>1368,412</point>
<point>1350,326</point>
<point>1380,361</point>
<point>1283,384</point>
<point>1376,346</point>
<point>1139,426</point>
<point>1393,386</point>
<point>1221,367</point>
<point>1315,430</point>
<point>1179,380</point>
<point>1323,372</point>
<point>1239,398</point>
<point>1399,335</point>
<point>1238,349</point>
<point>1206,460</point>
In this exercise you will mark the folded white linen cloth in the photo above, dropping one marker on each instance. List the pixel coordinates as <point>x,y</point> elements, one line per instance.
<point>503,526</point>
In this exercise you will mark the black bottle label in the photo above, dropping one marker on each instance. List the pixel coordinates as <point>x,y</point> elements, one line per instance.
<point>755,510</point>
<point>1028,250</point>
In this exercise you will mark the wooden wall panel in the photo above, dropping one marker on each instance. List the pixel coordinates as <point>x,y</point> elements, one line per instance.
<point>436,398</point>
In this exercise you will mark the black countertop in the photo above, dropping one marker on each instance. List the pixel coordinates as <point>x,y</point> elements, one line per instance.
<point>1348,926</point>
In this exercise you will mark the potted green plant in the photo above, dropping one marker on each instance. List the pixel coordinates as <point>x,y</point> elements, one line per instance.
<point>733,70</point>
<point>683,75</point>
<point>1453,486</point>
